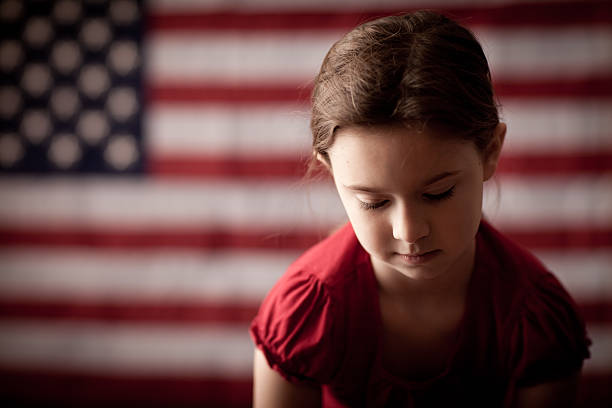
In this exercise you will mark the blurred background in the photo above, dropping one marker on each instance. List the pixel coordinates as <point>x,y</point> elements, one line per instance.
<point>151,192</point>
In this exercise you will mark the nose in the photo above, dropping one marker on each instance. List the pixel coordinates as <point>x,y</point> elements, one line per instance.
<point>409,224</point>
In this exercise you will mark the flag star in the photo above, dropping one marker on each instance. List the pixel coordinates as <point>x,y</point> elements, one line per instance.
<point>35,125</point>
<point>123,57</point>
<point>122,103</point>
<point>10,10</point>
<point>65,102</point>
<point>11,150</point>
<point>121,151</point>
<point>67,11</point>
<point>92,126</point>
<point>66,56</point>
<point>38,32</point>
<point>10,101</point>
<point>64,150</point>
<point>123,12</point>
<point>36,79</point>
<point>95,34</point>
<point>94,80</point>
<point>11,55</point>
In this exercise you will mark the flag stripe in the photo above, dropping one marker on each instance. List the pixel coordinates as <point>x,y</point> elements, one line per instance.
<point>222,277</point>
<point>197,314</point>
<point>127,348</point>
<point>258,209</point>
<point>540,14</point>
<point>203,167</point>
<point>222,239</point>
<point>194,313</point>
<point>283,65</point>
<point>56,387</point>
<point>144,276</point>
<point>556,164</point>
<point>568,238</point>
<point>552,126</point>
<point>249,93</point>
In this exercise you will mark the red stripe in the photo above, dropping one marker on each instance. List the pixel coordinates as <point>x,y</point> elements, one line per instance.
<point>204,167</point>
<point>556,164</point>
<point>586,238</point>
<point>523,14</point>
<point>574,238</point>
<point>166,312</point>
<point>19,387</point>
<point>227,167</point>
<point>596,312</point>
<point>595,391</point>
<point>151,238</point>
<point>174,92</point>
<point>178,92</point>
<point>587,86</point>
<point>194,313</point>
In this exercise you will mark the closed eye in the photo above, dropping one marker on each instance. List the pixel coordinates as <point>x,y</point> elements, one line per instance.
<point>372,206</point>
<point>442,196</point>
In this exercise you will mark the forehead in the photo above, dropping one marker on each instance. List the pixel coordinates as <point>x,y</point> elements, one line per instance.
<point>378,155</point>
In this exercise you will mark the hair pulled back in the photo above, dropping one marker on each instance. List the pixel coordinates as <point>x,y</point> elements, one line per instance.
<point>421,70</point>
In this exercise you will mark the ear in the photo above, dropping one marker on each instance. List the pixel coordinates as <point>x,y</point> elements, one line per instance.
<point>493,150</point>
<point>324,160</point>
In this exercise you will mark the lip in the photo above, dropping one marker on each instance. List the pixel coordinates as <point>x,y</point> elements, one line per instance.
<point>419,259</point>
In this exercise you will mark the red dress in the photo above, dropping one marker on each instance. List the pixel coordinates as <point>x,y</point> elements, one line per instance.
<point>321,324</point>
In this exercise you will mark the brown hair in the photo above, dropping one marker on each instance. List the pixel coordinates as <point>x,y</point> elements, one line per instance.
<point>421,70</point>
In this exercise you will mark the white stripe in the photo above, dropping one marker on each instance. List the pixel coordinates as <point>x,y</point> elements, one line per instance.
<point>295,56</point>
<point>73,274</point>
<point>557,125</point>
<point>131,349</point>
<point>601,350</point>
<point>586,274</point>
<point>132,204</point>
<point>314,5</point>
<point>291,57</point>
<point>548,125</point>
<point>549,203</point>
<point>222,351</point>
<point>543,53</point>
<point>135,204</point>
<point>239,131</point>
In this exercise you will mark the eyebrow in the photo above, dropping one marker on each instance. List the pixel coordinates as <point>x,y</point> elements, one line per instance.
<point>438,177</point>
<point>442,176</point>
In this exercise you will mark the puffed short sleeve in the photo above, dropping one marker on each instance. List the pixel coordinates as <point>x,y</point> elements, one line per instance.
<point>298,329</point>
<point>549,341</point>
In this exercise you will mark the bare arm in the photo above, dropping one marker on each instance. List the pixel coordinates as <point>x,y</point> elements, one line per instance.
<point>271,390</point>
<point>560,393</point>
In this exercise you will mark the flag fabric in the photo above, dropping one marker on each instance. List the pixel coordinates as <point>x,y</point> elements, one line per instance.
<point>151,191</point>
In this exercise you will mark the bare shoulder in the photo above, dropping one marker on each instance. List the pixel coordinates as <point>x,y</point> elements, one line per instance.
<point>271,390</point>
<point>561,393</point>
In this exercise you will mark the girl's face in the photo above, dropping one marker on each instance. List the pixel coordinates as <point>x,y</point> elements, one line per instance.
<point>413,198</point>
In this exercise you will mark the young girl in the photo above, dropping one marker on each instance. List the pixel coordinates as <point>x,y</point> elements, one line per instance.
<point>417,302</point>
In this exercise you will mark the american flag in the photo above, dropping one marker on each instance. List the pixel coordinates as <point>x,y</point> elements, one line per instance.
<point>151,156</point>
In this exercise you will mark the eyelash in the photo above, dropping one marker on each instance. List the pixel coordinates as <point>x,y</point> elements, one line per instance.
<point>372,206</point>
<point>442,196</point>
<point>429,197</point>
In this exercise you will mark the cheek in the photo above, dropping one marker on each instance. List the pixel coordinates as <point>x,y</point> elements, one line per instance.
<point>463,216</point>
<point>370,227</point>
